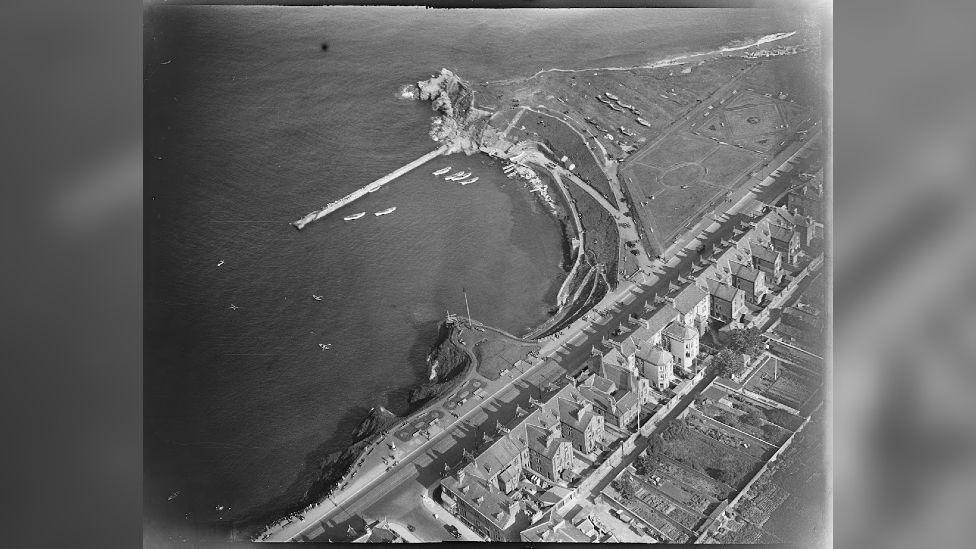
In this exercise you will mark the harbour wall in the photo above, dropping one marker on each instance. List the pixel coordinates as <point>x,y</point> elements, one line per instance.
<point>359,193</point>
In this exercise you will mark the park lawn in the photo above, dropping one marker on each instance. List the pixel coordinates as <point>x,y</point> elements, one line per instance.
<point>799,75</point>
<point>499,353</point>
<point>642,180</point>
<point>676,149</point>
<point>726,164</point>
<point>673,208</point>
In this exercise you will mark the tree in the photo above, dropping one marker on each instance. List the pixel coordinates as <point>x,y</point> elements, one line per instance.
<point>643,465</point>
<point>752,417</point>
<point>625,487</point>
<point>675,430</point>
<point>729,363</point>
<point>770,431</point>
<point>746,340</point>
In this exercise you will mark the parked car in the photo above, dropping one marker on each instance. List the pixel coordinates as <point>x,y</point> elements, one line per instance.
<point>453,530</point>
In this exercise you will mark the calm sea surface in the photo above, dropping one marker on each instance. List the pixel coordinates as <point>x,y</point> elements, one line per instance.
<point>250,126</point>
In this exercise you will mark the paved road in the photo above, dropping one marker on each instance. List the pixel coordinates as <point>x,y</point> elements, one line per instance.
<point>423,466</point>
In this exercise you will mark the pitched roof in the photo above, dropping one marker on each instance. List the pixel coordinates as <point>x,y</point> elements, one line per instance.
<point>572,413</point>
<point>689,298</point>
<point>600,383</point>
<point>617,375</point>
<point>781,233</point>
<point>657,321</point>
<point>721,290</point>
<point>679,331</point>
<point>627,400</point>
<point>744,271</point>
<point>762,252</point>
<point>655,355</point>
<point>489,501</point>
<point>541,440</point>
<point>497,456</point>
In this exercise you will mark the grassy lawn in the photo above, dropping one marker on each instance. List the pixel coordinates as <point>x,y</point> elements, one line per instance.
<point>797,75</point>
<point>726,164</point>
<point>642,180</point>
<point>676,149</point>
<point>686,174</point>
<point>669,212</point>
<point>499,353</point>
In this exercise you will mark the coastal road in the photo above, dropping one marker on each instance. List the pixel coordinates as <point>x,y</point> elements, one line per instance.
<point>421,469</point>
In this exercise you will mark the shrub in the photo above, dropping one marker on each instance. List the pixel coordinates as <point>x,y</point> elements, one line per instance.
<point>752,418</point>
<point>746,340</point>
<point>770,431</point>
<point>729,363</point>
<point>675,430</point>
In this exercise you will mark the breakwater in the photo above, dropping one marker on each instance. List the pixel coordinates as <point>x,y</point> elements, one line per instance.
<point>359,193</point>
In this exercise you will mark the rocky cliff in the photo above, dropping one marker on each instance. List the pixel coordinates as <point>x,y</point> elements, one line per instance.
<point>458,123</point>
<point>447,362</point>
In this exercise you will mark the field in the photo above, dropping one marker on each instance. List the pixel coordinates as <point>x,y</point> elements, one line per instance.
<point>787,503</point>
<point>712,457</point>
<point>727,164</point>
<point>798,76</point>
<point>682,174</point>
<point>658,96</point>
<point>672,207</point>
<point>644,181</point>
<point>793,386</point>
<point>676,149</point>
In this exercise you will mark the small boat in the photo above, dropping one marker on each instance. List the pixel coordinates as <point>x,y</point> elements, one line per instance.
<point>316,297</point>
<point>234,307</point>
<point>167,62</point>
<point>458,177</point>
<point>173,496</point>
<point>325,346</point>
<point>472,180</point>
<point>386,211</point>
<point>221,262</point>
<point>441,171</point>
<point>354,216</point>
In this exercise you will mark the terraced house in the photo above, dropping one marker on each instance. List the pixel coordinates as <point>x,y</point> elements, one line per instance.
<point>486,491</point>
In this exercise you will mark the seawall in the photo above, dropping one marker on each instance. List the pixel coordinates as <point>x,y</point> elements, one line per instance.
<point>359,193</point>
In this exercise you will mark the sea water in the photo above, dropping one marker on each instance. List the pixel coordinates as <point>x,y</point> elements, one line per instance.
<point>251,124</point>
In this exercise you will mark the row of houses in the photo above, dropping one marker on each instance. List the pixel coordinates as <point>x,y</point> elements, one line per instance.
<point>516,487</point>
<point>745,271</point>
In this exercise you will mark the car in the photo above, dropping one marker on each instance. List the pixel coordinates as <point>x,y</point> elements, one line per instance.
<point>453,530</point>
<point>411,528</point>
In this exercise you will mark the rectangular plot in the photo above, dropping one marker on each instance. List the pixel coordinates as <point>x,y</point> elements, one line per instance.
<point>674,208</point>
<point>678,148</point>
<point>726,164</point>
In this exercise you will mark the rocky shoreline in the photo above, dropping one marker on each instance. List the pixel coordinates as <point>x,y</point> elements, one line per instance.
<point>447,362</point>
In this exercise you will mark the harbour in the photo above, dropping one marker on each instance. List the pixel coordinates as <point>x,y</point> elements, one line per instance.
<point>374,186</point>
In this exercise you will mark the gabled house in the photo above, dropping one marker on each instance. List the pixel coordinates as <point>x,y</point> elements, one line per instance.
<point>580,424</point>
<point>728,302</point>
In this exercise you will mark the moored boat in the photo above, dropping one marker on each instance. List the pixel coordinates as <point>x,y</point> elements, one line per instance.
<point>386,211</point>
<point>472,180</point>
<point>458,176</point>
<point>441,171</point>
<point>354,216</point>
